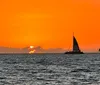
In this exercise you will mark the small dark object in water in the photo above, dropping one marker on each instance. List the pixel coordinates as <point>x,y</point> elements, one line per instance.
<point>99,49</point>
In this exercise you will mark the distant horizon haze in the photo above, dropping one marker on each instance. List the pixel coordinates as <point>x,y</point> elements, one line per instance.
<point>39,49</point>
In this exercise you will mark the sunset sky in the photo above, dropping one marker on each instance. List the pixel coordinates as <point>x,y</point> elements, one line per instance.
<point>50,23</point>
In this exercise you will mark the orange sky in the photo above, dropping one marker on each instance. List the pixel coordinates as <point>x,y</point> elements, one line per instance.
<point>50,23</point>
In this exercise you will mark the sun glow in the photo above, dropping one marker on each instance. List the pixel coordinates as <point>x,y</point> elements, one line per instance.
<point>31,47</point>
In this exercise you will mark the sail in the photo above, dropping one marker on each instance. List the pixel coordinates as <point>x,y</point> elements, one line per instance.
<point>75,45</point>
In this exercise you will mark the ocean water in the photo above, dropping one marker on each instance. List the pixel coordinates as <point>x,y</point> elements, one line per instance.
<point>49,69</point>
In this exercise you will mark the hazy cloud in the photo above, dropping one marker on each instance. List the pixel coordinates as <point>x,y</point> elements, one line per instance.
<point>13,50</point>
<point>50,50</point>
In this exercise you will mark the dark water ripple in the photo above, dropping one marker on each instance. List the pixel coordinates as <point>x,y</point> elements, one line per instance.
<point>50,69</point>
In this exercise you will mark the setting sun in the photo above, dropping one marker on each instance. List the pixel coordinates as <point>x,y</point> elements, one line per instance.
<point>31,47</point>
<point>32,50</point>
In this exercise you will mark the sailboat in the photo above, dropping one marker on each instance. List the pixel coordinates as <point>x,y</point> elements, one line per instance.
<point>99,49</point>
<point>76,49</point>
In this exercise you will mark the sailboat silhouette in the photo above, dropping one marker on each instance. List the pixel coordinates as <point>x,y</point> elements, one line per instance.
<point>76,49</point>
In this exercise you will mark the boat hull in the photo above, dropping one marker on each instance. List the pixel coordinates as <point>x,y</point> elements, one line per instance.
<point>74,53</point>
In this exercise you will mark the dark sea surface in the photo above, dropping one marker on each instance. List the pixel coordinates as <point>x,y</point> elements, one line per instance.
<point>49,69</point>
